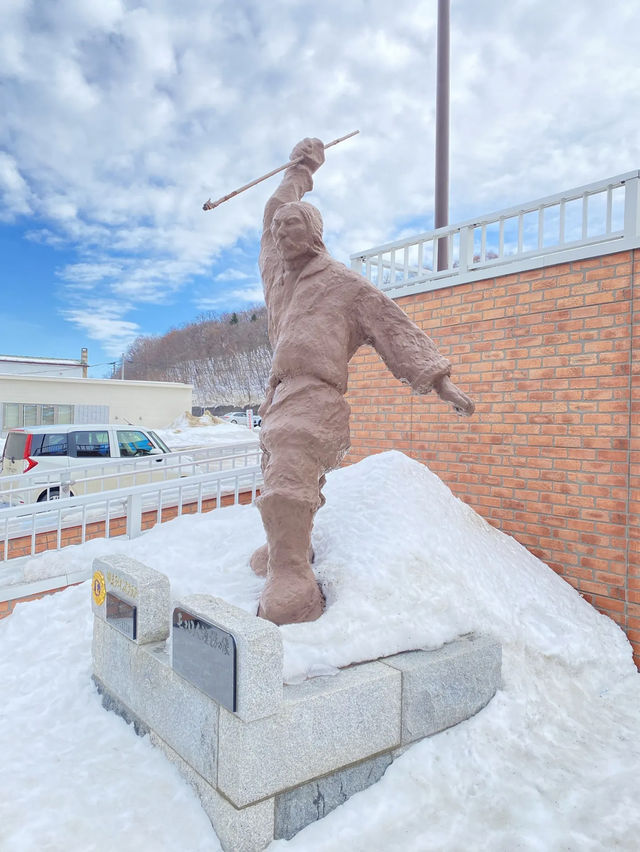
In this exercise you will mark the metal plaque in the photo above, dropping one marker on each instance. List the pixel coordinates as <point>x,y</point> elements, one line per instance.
<point>205,655</point>
<point>122,615</point>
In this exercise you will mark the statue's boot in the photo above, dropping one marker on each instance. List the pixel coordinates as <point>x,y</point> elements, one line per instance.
<point>291,593</point>
<point>260,559</point>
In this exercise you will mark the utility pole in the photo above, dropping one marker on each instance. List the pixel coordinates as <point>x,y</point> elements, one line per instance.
<point>122,368</point>
<point>442,130</point>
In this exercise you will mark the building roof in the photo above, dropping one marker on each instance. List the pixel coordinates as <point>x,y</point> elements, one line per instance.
<point>29,359</point>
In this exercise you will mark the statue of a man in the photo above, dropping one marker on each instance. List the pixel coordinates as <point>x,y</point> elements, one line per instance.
<point>319,314</point>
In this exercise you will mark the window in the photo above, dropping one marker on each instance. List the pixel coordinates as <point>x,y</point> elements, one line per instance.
<point>48,415</point>
<point>29,415</point>
<point>18,414</point>
<point>133,443</point>
<point>51,444</point>
<point>15,446</point>
<point>11,415</point>
<point>64,414</point>
<point>91,444</point>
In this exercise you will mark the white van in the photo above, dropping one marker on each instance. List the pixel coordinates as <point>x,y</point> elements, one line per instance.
<point>43,449</point>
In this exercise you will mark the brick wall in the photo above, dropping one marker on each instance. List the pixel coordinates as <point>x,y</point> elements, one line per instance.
<point>552,455</point>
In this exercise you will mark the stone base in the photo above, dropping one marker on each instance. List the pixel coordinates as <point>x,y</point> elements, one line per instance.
<point>289,754</point>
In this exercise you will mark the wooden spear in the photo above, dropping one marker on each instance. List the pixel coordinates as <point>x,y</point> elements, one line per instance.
<point>209,205</point>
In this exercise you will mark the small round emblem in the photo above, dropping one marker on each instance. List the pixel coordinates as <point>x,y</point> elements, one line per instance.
<point>98,589</point>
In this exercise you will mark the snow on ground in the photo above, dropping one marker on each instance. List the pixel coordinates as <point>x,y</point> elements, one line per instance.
<point>550,764</point>
<point>188,431</point>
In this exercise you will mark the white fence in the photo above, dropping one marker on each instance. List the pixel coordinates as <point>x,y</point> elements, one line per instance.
<point>234,473</point>
<point>83,479</point>
<point>570,224</point>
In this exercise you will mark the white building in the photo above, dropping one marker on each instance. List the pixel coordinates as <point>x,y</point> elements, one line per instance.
<point>42,391</point>
<point>30,366</point>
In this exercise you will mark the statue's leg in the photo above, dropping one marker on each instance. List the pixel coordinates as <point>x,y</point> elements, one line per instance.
<point>288,503</point>
<point>260,558</point>
<point>291,593</point>
<point>306,434</point>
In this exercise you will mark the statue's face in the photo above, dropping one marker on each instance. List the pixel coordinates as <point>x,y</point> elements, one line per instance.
<point>291,232</point>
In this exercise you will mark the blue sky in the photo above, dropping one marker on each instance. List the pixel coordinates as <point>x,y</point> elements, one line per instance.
<point>121,118</point>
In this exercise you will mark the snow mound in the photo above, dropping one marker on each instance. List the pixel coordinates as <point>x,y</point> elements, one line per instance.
<point>189,432</point>
<point>550,763</point>
<point>405,564</point>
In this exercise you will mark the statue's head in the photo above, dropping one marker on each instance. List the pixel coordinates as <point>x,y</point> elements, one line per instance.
<point>297,230</point>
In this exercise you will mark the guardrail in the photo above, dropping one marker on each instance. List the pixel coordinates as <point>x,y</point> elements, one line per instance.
<point>42,526</point>
<point>77,480</point>
<point>569,222</point>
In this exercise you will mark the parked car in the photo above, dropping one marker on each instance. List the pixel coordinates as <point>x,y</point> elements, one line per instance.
<point>241,418</point>
<point>43,449</point>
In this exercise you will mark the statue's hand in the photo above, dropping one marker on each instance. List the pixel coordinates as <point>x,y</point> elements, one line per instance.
<point>449,392</point>
<point>312,153</point>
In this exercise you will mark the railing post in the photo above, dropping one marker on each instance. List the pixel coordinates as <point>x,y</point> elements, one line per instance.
<point>134,515</point>
<point>631,205</point>
<point>65,487</point>
<point>463,260</point>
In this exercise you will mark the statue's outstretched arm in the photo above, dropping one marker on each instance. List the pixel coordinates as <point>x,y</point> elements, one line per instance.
<point>408,352</point>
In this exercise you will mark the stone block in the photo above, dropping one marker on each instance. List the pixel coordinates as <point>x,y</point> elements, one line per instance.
<point>259,654</point>
<point>247,829</point>
<point>324,724</point>
<point>443,687</point>
<point>308,803</point>
<point>146,589</point>
<point>141,678</point>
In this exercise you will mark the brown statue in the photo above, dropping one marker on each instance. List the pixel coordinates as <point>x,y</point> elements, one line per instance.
<point>319,314</point>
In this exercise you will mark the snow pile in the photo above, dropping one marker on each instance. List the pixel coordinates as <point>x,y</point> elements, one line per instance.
<point>188,431</point>
<point>550,763</point>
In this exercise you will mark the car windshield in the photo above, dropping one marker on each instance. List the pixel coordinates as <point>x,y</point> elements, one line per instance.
<point>160,443</point>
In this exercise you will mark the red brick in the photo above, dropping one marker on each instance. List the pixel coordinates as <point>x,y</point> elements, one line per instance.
<point>550,456</point>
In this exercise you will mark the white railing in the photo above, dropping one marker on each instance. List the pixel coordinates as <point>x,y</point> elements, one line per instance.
<point>607,212</point>
<point>82,479</point>
<point>53,517</point>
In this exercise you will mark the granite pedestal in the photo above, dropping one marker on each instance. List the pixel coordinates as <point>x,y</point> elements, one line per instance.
<point>287,755</point>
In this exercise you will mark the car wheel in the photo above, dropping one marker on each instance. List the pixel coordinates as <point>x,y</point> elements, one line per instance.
<point>54,494</point>
<point>49,494</point>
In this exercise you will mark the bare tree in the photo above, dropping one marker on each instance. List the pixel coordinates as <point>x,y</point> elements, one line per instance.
<point>226,358</point>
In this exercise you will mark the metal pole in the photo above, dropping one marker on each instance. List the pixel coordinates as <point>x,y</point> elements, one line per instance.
<point>442,131</point>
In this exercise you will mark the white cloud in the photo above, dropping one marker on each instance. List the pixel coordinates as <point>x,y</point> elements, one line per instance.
<point>120,120</point>
<point>89,273</point>
<point>105,324</point>
<point>14,191</point>
<point>232,275</point>
<point>232,299</point>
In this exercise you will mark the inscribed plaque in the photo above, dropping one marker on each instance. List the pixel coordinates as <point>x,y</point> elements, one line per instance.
<point>122,615</point>
<point>205,655</point>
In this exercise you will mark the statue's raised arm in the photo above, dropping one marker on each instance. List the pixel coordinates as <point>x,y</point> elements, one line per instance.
<point>297,180</point>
